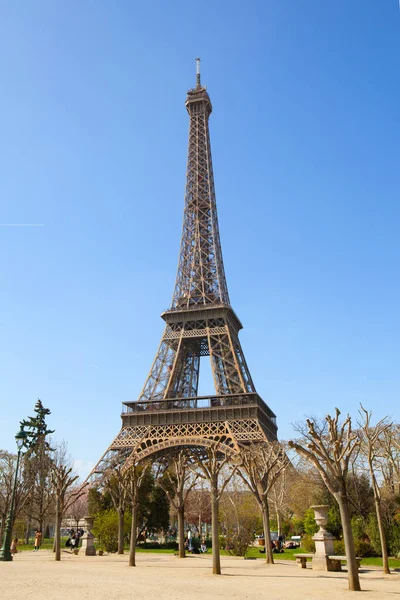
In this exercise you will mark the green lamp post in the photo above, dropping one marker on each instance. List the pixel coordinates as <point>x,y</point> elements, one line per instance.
<point>5,553</point>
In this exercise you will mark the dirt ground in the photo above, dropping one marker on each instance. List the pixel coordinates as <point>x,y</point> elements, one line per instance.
<point>166,577</point>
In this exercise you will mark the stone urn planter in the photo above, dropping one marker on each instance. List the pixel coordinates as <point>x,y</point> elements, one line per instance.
<point>321,516</point>
<point>88,547</point>
<point>323,540</point>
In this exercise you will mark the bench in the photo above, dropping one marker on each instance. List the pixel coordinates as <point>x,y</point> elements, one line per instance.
<point>301,559</point>
<point>337,560</point>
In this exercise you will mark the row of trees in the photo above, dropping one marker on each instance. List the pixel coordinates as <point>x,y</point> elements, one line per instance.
<point>47,489</point>
<point>356,470</point>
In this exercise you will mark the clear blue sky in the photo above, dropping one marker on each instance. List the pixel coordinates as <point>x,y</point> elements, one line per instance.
<point>305,137</point>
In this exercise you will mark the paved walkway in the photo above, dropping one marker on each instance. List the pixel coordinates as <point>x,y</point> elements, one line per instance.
<point>165,577</point>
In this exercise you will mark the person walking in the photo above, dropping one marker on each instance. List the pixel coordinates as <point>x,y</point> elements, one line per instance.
<point>13,547</point>
<point>38,540</point>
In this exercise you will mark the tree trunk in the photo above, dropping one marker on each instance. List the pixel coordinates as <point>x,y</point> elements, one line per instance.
<point>57,533</point>
<point>2,526</point>
<point>269,557</point>
<point>214,530</point>
<point>132,547</point>
<point>200,527</point>
<point>28,529</point>
<point>121,521</point>
<point>378,510</point>
<point>382,535</point>
<point>354,580</point>
<point>279,522</point>
<point>181,531</point>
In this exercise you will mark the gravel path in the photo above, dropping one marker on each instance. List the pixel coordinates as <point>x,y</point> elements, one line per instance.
<point>165,577</point>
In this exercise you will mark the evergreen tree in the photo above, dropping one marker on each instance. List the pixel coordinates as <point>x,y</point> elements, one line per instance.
<point>37,466</point>
<point>37,429</point>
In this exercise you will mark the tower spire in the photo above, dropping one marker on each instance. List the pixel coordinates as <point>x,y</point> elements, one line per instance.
<point>198,83</point>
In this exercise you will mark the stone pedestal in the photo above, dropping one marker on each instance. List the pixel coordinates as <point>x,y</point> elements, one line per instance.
<point>323,541</point>
<point>88,548</point>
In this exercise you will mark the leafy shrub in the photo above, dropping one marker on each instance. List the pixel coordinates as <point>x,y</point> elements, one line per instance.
<point>363,548</point>
<point>307,543</point>
<point>240,517</point>
<point>334,524</point>
<point>237,544</point>
<point>372,531</point>
<point>310,526</point>
<point>394,536</point>
<point>105,529</point>
<point>339,548</point>
<point>297,526</point>
<point>358,527</point>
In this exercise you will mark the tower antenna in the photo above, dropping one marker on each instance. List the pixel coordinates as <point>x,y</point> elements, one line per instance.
<point>198,84</point>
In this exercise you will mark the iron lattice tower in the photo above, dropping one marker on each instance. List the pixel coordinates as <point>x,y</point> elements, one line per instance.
<point>200,322</point>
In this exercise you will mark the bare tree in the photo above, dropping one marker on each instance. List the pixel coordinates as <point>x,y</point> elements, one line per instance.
<point>198,506</point>
<point>370,437</point>
<point>278,498</point>
<point>390,455</point>
<point>239,517</point>
<point>79,508</point>
<point>304,487</point>
<point>7,474</point>
<point>330,446</point>
<point>177,481</point>
<point>117,484</point>
<point>212,467</point>
<point>134,476</point>
<point>63,480</point>
<point>261,466</point>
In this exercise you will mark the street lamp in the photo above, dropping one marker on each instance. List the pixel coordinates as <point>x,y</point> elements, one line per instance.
<point>5,553</point>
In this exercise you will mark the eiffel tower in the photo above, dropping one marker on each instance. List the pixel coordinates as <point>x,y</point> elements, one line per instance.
<point>201,322</point>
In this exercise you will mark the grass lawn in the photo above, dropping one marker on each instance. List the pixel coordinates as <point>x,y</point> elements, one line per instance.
<point>157,551</point>
<point>47,544</point>
<point>254,552</point>
<point>375,561</point>
<point>394,563</point>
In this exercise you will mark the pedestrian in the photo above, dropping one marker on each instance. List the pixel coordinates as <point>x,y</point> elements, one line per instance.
<point>13,548</point>
<point>38,540</point>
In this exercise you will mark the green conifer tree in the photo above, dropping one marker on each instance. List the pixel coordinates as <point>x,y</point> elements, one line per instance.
<point>37,466</point>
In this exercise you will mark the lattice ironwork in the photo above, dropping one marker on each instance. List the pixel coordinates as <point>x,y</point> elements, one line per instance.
<point>199,323</point>
<point>141,442</point>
